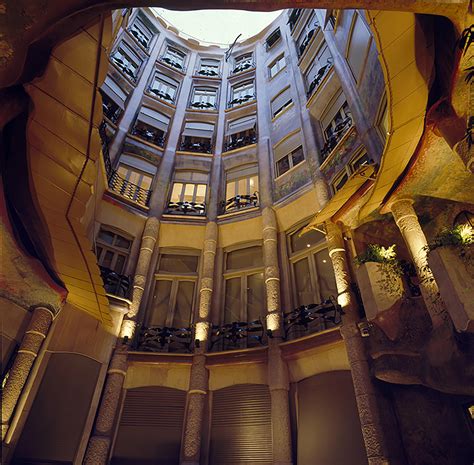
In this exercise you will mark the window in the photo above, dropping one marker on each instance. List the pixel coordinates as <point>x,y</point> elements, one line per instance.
<point>151,126</point>
<point>142,33</point>
<point>241,93</point>
<point>173,298</point>
<point>189,187</point>
<point>312,272</point>
<point>126,60</point>
<point>360,160</point>
<point>174,58</point>
<point>197,137</point>
<point>113,99</point>
<point>318,69</point>
<point>244,294</point>
<point>340,180</point>
<point>134,176</point>
<point>331,17</point>
<point>284,164</point>
<point>241,188</point>
<point>338,122</point>
<point>243,62</point>
<point>273,38</point>
<point>209,67</point>
<point>281,102</point>
<point>293,18</point>
<point>276,66</point>
<point>335,122</point>
<point>382,118</point>
<point>359,42</point>
<point>164,87</point>
<point>241,132</point>
<point>307,34</point>
<point>204,97</point>
<point>112,250</point>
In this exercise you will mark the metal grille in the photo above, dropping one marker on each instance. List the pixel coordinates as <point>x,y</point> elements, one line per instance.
<point>241,430</point>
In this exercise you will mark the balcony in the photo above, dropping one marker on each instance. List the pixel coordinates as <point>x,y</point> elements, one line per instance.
<point>162,95</point>
<point>111,110</point>
<point>338,133</point>
<point>173,63</point>
<point>116,284</point>
<point>186,208</point>
<point>105,148</point>
<point>194,145</point>
<point>315,83</point>
<point>237,335</point>
<point>125,67</point>
<point>149,133</point>
<point>140,38</point>
<point>208,72</point>
<point>240,100</point>
<point>294,16</point>
<point>304,45</point>
<point>240,202</point>
<point>241,139</point>
<point>199,105</point>
<point>244,66</point>
<point>129,190</point>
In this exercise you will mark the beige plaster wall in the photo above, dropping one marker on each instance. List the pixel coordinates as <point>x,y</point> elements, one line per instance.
<point>171,375</point>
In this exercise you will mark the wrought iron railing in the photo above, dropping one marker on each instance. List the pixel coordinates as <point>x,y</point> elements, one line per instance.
<point>244,66</point>
<point>111,110</point>
<point>129,190</point>
<point>162,95</point>
<point>155,136</point>
<point>125,68</point>
<point>141,38</point>
<point>115,283</point>
<point>240,100</point>
<point>164,339</point>
<point>306,41</point>
<point>208,72</point>
<point>240,202</point>
<point>105,148</point>
<point>203,105</point>
<point>200,147</point>
<point>237,335</point>
<point>173,63</point>
<point>240,141</point>
<point>186,208</point>
<point>338,133</point>
<point>319,78</point>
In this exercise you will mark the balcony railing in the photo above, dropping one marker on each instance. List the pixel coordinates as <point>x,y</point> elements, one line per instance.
<point>112,111</point>
<point>116,284</point>
<point>244,66</point>
<point>200,147</point>
<point>304,320</point>
<point>338,133</point>
<point>125,68</point>
<point>323,71</point>
<point>240,202</point>
<point>203,105</point>
<point>173,63</point>
<point>105,148</point>
<point>129,190</point>
<point>294,16</point>
<point>241,100</point>
<point>141,38</point>
<point>186,208</point>
<point>240,141</point>
<point>163,95</point>
<point>149,134</point>
<point>306,41</point>
<point>208,72</point>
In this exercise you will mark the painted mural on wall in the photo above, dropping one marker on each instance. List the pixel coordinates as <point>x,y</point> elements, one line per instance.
<point>292,181</point>
<point>154,157</point>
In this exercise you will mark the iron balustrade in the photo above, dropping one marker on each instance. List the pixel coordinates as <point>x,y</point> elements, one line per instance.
<point>186,208</point>
<point>173,63</point>
<point>200,147</point>
<point>116,284</point>
<point>141,38</point>
<point>125,68</point>
<point>208,73</point>
<point>323,71</point>
<point>105,148</point>
<point>163,95</point>
<point>203,105</point>
<point>240,100</point>
<point>306,41</point>
<point>240,202</point>
<point>338,133</point>
<point>237,335</point>
<point>155,136</point>
<point>129,190</point>
<point>164,339</point>
<point>294,16</point>
<point>240,141</point>
<point>111,110</point>
<point>244,66</point>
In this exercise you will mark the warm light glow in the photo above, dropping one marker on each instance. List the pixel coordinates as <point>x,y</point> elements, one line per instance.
<point>343,299</point>
<point>127,329</point>
<point>466,232</point>
<point>202,331</point>
<point>308,245</point>
<point>273,322</point>
<point>324,261</point>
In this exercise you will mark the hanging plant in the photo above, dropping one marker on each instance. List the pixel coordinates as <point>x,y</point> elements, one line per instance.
<point>459,236</point>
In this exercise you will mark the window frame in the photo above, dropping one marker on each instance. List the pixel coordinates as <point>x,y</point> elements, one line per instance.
<point>185,182</point>
<point>158,77</point>
<point>280,110</point>
<point>196,89</point>
<point>290,161</point>
<point>174,54</point>
<point>201,66</point>
<point>116,250</point>
<point>276,32</point>
<point>144,30</point>
<point>131,58</point>
<point>238,88</point>
<point>277,61</point>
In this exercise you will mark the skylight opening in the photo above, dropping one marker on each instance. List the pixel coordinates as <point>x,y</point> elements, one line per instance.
<point>217,27</point>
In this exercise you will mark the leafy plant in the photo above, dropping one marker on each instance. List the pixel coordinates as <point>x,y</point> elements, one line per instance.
<point>459,236</point>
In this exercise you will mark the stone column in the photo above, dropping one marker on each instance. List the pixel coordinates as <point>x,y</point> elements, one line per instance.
<point>407,221</point>
<point>365,394</point>
<point>29,348</point>
<point>99,444</point>
<point>149,239</point>
<point>196,400</point>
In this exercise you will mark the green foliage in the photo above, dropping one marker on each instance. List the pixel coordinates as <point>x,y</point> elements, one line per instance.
<point>459,236</point>
<point>378,254</point>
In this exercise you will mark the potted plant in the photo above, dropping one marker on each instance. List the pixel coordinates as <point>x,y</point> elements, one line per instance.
<point>451,259</point>
<point>379,275</point>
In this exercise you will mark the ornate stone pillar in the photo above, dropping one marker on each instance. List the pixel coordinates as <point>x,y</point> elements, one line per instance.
<point>407,221</point>
<point>280,408</point>
<point>149,239</point>
<point>195,404</point>
<point>99,444</point>
<point>365,394</point>
<point>30,346</point>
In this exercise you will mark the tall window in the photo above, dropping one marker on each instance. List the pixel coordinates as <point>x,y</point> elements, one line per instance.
<point>174,293</point>
<point>244,285</point>
<point>142,33</point>
<point>188,194</point>
<point>243,62</point>
<point>241,188</point>
<point>197,137</point>
<point>127,60</point>
<point>360,160</point>
<point>273,38</point>
<point>312,270</point>
<point>241,132</point>
<point>164,87</point>
<point>288,153</point>
<point>209,67</point>
<point>284,164</point>
<point>204,97</point>
<point>112,250</point>
<point>242,93</point>
<point>276,66</point>
<point>319,68</point>
<point>280,102</point>
<point>382,118</point>
<point>174,57</point>
<point>151,126</point>
<point>307,33</point>
<point>342,116</point>
<point>293,17</point>
<point>359,42</point>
